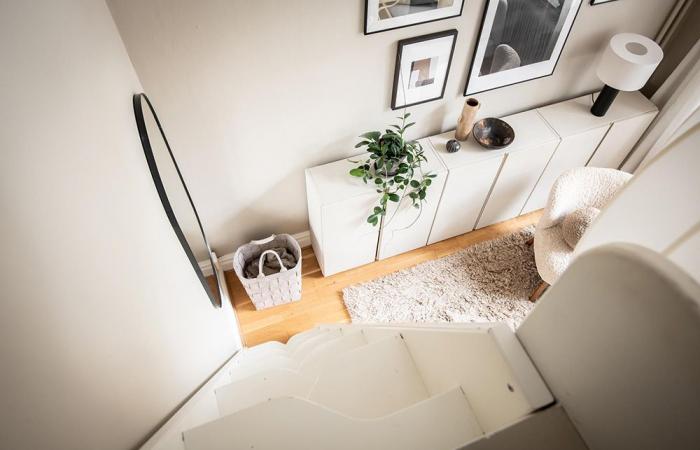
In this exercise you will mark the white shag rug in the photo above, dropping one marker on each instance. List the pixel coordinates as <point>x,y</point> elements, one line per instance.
<point>487,282</point>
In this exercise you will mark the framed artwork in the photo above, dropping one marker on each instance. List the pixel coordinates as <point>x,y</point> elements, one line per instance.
<point>520,40</point>
<point>598,2</point>
<point>383,15</point>
<point>422,66</point>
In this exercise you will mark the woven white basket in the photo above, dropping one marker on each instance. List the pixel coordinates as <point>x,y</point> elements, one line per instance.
<point>270,290</point>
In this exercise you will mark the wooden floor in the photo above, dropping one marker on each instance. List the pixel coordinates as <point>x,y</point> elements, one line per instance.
<point>322,297</point>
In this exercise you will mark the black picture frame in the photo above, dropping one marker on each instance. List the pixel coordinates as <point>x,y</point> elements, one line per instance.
<point>397,67</point>
<point>600,2</point>
<point>472,64</point>
<point>138,103</point>
<point>366,21</point>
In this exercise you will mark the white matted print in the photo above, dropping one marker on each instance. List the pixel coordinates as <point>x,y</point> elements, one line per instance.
<point>520,40</point>
<point>382,15</point>
<point>422,67</point>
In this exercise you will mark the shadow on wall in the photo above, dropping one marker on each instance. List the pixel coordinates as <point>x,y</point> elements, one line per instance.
<point>263,217</point>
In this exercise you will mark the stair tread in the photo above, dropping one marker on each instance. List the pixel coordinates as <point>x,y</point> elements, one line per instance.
<point>364,381</point>
<point>262,387</point>
<point>277,348</point>
<point>269,363</point>
<point>325,353</point>
<point>298,338</point>
<point>249,361</point>
<point>443,421</point>
<point>486,360</point>
<point>371,381</point>
<point>305,348</point>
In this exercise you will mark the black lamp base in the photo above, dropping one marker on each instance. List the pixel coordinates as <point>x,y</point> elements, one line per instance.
<point>604,100</point>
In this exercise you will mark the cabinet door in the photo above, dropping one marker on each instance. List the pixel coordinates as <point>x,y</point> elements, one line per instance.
<point>515,182</point>
<point>620,140</point>
<point>405,227</point>
<point>348,240</point>
<point>463,197</point>
<point>573,151</point>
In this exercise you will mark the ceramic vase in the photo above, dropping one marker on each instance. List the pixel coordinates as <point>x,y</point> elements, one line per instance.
<point>466,120</point>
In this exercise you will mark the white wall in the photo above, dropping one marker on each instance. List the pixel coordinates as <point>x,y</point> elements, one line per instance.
<point>252,92</point>
<point>104,328</point>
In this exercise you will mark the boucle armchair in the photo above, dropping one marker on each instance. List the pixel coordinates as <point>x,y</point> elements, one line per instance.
<point>574,189</point>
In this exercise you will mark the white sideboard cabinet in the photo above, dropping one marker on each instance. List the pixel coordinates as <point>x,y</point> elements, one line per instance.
<point>587,140</point>
<point>474,187</point>
<point>338,208</point>
<point>408,228</point>
<point>505,177</point>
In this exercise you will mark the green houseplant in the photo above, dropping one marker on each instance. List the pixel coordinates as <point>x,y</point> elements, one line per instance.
<point>394,166</point>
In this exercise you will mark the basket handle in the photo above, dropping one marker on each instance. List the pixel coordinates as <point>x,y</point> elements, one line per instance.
<point>263,241</point>
<point>260,262</point>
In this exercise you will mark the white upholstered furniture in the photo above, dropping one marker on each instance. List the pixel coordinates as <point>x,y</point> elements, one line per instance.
<point>475,187</point>
<point>574,189</point>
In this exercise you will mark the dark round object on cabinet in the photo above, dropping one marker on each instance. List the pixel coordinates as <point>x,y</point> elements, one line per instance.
<point>493,133</point>
<point>453,145</point>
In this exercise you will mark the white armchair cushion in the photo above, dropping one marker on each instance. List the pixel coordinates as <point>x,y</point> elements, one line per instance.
<point>552,253</point>
<point>583,186</point>
<point>574,189</point>
<point>577,222</point>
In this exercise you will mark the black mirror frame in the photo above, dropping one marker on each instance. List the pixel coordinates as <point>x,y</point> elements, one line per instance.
<point>148,151</point>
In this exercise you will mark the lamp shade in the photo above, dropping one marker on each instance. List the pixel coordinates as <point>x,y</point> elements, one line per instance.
<point>628,61</point>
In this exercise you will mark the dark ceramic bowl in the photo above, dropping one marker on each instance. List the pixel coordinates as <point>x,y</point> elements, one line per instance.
<point>493,133</point>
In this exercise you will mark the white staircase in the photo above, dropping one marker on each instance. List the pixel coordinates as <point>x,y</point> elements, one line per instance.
<point>374,387</point>
<point>474,387</point>
<point>443,421</point>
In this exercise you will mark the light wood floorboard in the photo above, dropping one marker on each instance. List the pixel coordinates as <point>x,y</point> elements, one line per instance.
<point>322,297</point>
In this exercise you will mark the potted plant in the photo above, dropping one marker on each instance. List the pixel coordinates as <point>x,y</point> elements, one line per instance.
<point>394,165</point>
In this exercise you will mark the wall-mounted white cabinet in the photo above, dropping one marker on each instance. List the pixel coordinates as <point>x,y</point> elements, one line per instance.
<point>338,208</point>
<point>474,187</point>
<point>458,214</point>
<point>503,177</point>
<point>409,228</point>
<point>587,140</point>
<point>575,152</point>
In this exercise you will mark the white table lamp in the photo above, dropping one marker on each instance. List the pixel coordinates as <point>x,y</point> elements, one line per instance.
<point>627,64</point>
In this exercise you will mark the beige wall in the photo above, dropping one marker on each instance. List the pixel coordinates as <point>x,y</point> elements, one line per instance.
<point>104,328</point>
<point>253,92</point>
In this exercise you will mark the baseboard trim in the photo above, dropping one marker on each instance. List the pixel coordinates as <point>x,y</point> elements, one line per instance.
<point>226,261</point>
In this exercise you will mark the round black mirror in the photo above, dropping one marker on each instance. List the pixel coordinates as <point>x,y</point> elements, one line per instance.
<point>173,193</point>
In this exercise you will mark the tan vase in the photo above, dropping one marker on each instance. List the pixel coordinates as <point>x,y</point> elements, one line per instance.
<point>466,120</point>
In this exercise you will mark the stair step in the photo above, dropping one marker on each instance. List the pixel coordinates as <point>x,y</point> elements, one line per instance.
<point>310,350</point>
<point>370,381</point>
<point>270,363</point>
<point>247,357</point>
<point>298,350</point>
<point>277,348</point>
<point>326,353</point>
<point>344,374</point>
<point>299,338</point>
<point>303,349</point>
<point>442,422</point>
<point>486,360</point>
<point>262,387</point>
